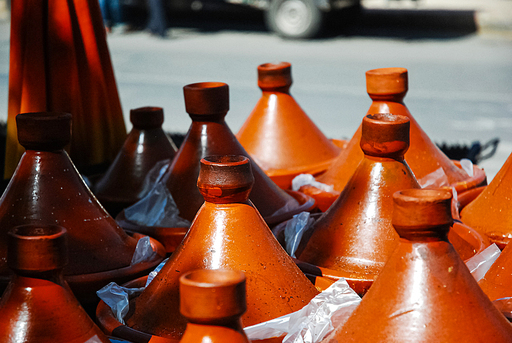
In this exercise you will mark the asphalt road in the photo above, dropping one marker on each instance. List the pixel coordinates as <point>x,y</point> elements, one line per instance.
<point>460,81</point>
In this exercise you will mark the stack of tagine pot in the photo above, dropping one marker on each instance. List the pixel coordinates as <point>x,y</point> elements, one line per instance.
<point>46,189</point>
<point>425,293</point>
<point>227,233</point>
<point>146,145</point>
<point>279,135</point>
<point>355,238</point>
<point>207,104</point>
<point>387,88</point>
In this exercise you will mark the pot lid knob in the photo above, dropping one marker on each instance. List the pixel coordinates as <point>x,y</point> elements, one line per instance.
<point>206,98</point>
<point>272,76</point>
<point>145,118</point>
<point>386,81</point>
<point>385,135</point>
<point>45,131</point>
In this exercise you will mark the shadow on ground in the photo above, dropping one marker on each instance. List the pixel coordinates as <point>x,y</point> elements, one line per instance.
<point>407,24</point>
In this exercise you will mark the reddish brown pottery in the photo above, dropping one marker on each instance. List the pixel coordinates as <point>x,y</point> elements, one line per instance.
<point>425,293</point>
<point>491,212</point>
<point>227,233</point>
<point>387,88</point>
<point>38,305</point>
<point>279,135</point>
<point>355,235</point>
<point>213,302</point>
<point>146,144</point>
<point>47,189</point>
<point>497,282</point>
<point>207,104</point>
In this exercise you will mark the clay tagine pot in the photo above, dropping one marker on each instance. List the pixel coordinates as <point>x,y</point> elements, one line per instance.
<point>38,305</point>
<point>491,212</point>
<point>279,135</point>
<point>387,88</point>
<point>213,302</point>
<point>47,189</point>
<point>146,144</point>
<point>227,233</point>
<point>497,282</point>
<point>425,293</point>
<point>355,235</point>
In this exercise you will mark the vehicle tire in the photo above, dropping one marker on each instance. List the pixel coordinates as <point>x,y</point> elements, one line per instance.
<point>296,19</point>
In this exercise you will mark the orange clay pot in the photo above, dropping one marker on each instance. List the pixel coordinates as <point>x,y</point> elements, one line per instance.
<point>355,236</point>
<point>491,212</point>
<point>38,305</point>
<point>387,88</point>
<point>279,135</point>
<point>46,189</point>
<point>425,293</point>
<point>146,144</point>
<point>207,104</point>
<point>497,282</point>
<point>227,233</point>
<point>213,302</point>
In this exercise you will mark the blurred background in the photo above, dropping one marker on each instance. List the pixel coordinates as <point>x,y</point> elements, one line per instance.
<point>458,53</point>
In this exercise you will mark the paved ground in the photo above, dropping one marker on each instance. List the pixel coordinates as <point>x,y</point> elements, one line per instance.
<point>460,72</point>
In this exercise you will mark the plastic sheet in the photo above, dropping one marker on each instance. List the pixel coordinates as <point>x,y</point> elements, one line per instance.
<point>294,230</point>
<point>118,298</point>
<point>156,174</point>
<point>479,264</point>
<point>437,178</point>
<point>314,321</point>
<point>308,179</point>
<point>467,166</point>
<point>143,251</point>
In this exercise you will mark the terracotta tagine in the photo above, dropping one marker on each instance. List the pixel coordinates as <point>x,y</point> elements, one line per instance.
<point>213,302</point>
<point>47,189</point>
<point>387,88</point>
<point>497,282</point>
<point>146,144</point>
<point>491,212</point>
<point>355,235</point>
<point>279,135</point>
<point>227,233</point>
<point>425,293</point>
<point>38,305</point>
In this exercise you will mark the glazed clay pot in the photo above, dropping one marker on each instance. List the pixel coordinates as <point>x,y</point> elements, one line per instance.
<point>491,212</point>
<point>425,293</point>
<point>497,282</point>
<point>355,235</point>
<point>279,135</point>
<point>47,189</point>
<point>227,233</point>
<point>207,104</point>
<point>213,302</point>
<point>387,88</point>
<point>38,305</point>
<point>146,144</point>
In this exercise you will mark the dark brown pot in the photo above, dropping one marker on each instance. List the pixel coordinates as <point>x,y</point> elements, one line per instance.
<point>46,189</point>
<point>387,88</point>
<point>425,293</point>
<point>146,144</point>
<point>228,233</point>
<point>38,305</point>
<point>491,212</point>
<point>213,302</point>
<point>279,135</point>
<point>207,104</point>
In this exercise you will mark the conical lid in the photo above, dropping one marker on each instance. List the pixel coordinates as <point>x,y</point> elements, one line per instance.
<point>213,302</point>
<point>387,88</point>
<point>355,235</point>
<point>38,305</point>
<point>47,189</point>
<point>207,104</point>
<point>227,233</point>
<point>497,282</point>
<point>279,135</point>
<point>425,293</point>
<point>491,212</point>
<point>146,144</point>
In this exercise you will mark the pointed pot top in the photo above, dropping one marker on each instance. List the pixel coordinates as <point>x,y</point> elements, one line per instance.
<point>144,118</point>
<point>272,76</point>
<point>225,179</point>
<point>44,130</point>
<point>212,295</point>
<point>385,135</point>
<point>207,98</point>
<point>37,248</point>
<point>386,81</point>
